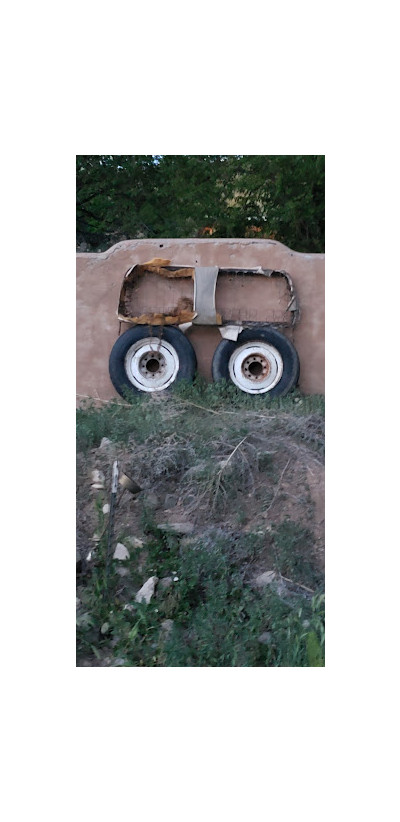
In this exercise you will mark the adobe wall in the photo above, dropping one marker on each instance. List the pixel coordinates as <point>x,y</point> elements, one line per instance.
<point>99,279</point>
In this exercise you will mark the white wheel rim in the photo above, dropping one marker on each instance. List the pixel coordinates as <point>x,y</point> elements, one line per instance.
<point>151,364</point>
<point>255,367</point>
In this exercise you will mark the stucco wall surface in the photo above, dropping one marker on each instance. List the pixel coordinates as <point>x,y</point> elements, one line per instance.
<point>99,280</point>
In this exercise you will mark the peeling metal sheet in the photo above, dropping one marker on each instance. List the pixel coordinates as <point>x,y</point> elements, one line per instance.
<point>156,293</point>
<point>230,332</point>
<point>205,280</point>
<point>181,312</point>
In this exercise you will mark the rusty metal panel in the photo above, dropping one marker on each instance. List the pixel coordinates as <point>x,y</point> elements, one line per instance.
<point>156,293</point>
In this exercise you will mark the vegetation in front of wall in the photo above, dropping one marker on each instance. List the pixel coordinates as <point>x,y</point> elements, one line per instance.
<point>235,470</point>
<point>145,413</point>
<point>209,615</point>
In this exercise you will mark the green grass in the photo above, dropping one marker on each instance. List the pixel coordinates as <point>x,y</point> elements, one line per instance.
<point>217,615</point>
<point>144,416</point>
<point>292,557</point>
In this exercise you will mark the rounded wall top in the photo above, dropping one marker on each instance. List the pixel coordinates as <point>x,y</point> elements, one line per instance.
<point>166,242</point>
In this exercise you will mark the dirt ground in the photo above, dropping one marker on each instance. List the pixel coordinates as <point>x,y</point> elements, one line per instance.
<point>254,490</point>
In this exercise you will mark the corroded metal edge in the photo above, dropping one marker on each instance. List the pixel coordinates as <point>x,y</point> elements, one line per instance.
<point>205,279</point>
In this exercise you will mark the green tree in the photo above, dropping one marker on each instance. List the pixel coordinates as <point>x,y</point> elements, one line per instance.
<point>278,196</point>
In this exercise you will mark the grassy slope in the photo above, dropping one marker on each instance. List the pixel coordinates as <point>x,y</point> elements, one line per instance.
<point>224,455</point>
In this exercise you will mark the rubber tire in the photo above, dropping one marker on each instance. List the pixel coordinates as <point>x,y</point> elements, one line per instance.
<point>290,357</point>
<point>176,338</point>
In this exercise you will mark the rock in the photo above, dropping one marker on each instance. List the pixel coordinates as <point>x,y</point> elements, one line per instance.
<point>106,508</point>
<point>199,468</point>
<point>121,552</point>
<point>165,583</point>
<point>166,628</point>
<point>265,638</point>
<point>147,590</point>
<point>265,579</point>
<point>170,501</point>
<point>122,572</point>
<point>134,542</point>
<point>177,527</point>
<point>105,442</point>
<point>98,479</point>
<point>151,500</point>
<point>105,627</point>
<point>84,620</point>
<point>227,467</point>
<point>119,662</point>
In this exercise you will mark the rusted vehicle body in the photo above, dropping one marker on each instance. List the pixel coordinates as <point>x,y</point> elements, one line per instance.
<point>161,303</point>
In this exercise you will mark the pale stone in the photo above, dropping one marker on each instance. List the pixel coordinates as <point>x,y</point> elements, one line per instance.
<point>105,442</point>
<point>165,583</point>
<point>134,542</point>
<point>265,638</point>
<point>170,501</point>
<point>166,627</point>
<point>265,579</point>
<point>98,479</point>
<point>147,590</point>
<point>106,508</point>
<point>196,469</point>
<point>121,552</point>
<point>151,500</point>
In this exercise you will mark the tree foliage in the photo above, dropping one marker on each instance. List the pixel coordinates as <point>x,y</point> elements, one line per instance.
<point>185,195</point>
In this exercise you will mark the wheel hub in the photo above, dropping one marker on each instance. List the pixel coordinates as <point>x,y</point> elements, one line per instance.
<point>151,364</point>
<point>256,367</point>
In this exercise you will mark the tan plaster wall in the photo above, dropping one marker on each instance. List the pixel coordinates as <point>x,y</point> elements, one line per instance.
<point>99,280</point>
